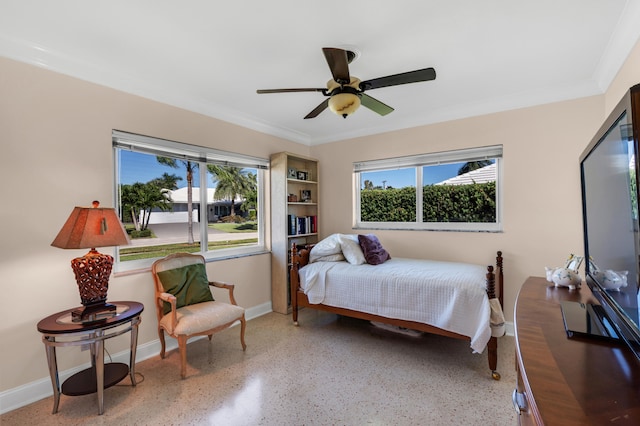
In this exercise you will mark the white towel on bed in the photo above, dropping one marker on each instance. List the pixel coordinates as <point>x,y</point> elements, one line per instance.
<point>497,318</point>
<point>313,280</point>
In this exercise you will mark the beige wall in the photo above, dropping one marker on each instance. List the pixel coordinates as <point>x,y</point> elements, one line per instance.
<point>56,154</point>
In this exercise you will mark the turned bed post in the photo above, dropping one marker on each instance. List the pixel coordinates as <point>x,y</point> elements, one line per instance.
<point>294,283</point>
<point>500,277</point>
<point>492,345</point>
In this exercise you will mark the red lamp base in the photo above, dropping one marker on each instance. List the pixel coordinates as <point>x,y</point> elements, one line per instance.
<point>92,273</point>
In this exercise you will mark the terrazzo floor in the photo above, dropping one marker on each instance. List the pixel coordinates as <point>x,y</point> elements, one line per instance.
<point>328,371</point>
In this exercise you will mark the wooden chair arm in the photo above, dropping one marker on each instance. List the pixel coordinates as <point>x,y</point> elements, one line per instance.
<point>229,287</point>
<point>171,299</point>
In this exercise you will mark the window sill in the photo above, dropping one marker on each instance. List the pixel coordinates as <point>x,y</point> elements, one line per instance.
<point>491,228</point>
<point>144,266</point>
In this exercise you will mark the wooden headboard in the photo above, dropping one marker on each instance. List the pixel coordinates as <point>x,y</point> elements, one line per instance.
<point>300,256</point>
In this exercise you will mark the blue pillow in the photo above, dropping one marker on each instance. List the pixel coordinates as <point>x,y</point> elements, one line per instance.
<point>189,284</point>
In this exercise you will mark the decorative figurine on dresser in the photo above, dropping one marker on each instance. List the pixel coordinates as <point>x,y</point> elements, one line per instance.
<point>568,275</point>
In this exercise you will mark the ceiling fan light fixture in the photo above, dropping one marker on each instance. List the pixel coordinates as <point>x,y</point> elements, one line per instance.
<point>344,103</point>
<point>346,92</point>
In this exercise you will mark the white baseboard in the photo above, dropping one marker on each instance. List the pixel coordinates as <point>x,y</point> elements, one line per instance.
<point>510,331</point>
<point>28,393</point>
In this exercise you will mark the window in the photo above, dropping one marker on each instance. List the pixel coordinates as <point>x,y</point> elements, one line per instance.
<point>453,191</point>
<point>159,188</point>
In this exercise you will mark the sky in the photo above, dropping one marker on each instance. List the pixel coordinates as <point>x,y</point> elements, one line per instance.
<point>139,167</point>
<point>406,177</point>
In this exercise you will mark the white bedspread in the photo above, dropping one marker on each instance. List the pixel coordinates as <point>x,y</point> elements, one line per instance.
<point>451,296</point>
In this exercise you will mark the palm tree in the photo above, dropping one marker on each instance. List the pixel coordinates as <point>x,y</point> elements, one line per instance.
<point>133,196</point>
<point>251,197</point>
<point>231,182</point>
<point>473,165</point>
<point>153,197</point>
<point>166,181</point>
<point>142,198</point>
<point>130,196</point>
<point>190,168</point>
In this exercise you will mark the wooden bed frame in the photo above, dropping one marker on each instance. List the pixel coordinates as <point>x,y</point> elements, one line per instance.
<point>300,257</point>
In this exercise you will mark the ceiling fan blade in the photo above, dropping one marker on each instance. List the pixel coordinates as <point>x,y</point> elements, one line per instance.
<point>317,110</point>
<point>338,64</point>
<point>262,91</point>
<point>375,105</point>
<point>397,79</point>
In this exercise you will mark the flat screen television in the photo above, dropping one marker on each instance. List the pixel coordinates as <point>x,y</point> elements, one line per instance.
<point>609,177</point>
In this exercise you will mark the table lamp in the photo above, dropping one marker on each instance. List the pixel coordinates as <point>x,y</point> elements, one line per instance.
<point>91,227</point>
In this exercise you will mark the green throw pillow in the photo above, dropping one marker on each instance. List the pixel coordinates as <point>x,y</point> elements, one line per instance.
<point>189,284</point>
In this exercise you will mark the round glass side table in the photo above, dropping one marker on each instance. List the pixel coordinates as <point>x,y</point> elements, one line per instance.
<point>60,329</point>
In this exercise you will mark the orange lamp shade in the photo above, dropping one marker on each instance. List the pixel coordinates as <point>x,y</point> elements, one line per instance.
<point>91,227</point>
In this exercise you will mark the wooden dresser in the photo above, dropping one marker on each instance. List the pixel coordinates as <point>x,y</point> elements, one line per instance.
<point>567,381</point>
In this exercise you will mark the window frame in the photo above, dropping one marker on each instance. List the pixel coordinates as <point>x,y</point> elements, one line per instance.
<point>417,162</point>
<point>202,156</point>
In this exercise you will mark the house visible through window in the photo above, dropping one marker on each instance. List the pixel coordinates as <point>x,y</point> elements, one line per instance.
<point>455,190</point>
<point>173,197</point>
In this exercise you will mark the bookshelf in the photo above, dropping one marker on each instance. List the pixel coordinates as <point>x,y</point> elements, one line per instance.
<point>294,217</point>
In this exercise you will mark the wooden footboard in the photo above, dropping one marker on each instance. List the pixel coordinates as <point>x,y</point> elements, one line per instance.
<point>495,286</point>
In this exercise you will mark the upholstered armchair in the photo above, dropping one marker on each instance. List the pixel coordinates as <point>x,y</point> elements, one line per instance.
<point>185,304</point>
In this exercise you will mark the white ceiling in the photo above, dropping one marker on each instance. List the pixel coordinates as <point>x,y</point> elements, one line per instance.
<point>211,56</point>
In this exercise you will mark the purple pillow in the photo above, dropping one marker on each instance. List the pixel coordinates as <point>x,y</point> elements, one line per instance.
<point>373,251</point>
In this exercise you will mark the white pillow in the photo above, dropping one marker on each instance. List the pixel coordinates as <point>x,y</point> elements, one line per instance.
<point>330,258</point>
<point>351,249</point>
<point>330,246</point>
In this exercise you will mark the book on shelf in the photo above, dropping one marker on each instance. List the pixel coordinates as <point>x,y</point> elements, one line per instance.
<point>297,225</point>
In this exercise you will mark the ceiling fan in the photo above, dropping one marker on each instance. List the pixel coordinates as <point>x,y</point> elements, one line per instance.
<point>346,93</point>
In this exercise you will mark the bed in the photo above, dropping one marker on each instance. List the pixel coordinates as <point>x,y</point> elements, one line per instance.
<point>458,300</point>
